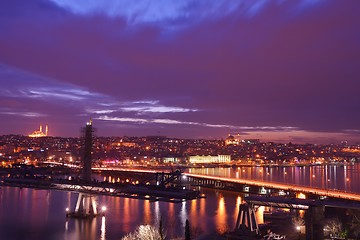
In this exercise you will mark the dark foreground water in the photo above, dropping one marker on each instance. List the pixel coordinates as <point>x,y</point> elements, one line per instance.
<point>40,214</point>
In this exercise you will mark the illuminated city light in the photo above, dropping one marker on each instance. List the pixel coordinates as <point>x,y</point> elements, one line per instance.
<point>301,196</point>
<point>40,133</point>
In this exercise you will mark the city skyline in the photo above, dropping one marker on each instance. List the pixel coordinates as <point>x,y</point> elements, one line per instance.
<point>283,71</point>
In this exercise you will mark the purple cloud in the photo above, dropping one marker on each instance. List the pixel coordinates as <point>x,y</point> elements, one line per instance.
<point>214,63</point>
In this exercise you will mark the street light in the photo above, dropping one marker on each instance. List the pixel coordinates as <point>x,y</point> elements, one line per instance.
<point>103,210</point>
<point>298,230</point>
<point>67,211</point>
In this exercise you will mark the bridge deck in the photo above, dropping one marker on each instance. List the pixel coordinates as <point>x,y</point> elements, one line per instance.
<point>149,192</point>
<point>282,186</point>
<point>296,203</point>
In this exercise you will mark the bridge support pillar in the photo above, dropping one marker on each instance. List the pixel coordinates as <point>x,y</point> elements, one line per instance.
<point>85,207</point>
<point>246,224</point>
<point>314,218</point>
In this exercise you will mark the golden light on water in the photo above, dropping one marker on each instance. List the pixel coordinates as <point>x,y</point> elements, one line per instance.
<point>193,211</point>
<point>259,214</point>
<point>202,206</point>
<point>221,216</point>
<point>237,207</point>
<point>202,212</point>
<point>127,215</point>
<point>147,212</point>
<point>238,200</point>
<point>171,210</point>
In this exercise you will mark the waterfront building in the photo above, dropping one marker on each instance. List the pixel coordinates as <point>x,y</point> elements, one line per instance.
<point>172,160</point>
<point>210,159</point>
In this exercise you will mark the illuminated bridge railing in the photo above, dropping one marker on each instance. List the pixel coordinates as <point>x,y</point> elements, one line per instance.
<point>270,185</point>
<point>283,186</point>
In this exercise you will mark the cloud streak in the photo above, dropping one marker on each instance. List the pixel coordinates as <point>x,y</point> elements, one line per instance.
<point>171,12</point>
<point>177,122</point>
<point>21,113</point>
<point>57,92</point>
<point>143,107</point>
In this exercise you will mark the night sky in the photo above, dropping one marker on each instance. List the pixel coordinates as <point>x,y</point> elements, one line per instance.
<point>280,70</point>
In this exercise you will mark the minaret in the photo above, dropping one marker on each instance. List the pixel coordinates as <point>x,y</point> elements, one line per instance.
<point>40,129</point>
<point>87,152</point>
<point>46,130</point>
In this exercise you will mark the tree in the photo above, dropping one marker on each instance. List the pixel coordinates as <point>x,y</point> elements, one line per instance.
<point>333,227</point>
<point>355,222</point>
<point>187,230</point>
<point>298,221</point>
<point>144,232</point>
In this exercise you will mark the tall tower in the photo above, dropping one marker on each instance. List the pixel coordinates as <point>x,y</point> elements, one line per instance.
<point>46,130</point>
<point>86,205</point>
<point>87,152</point>
<point>40,129</point>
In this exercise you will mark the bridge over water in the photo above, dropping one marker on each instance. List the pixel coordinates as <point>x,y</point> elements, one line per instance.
<point>250,186</point>
<point>166,185</point>
<point>268,188</point>
<point>280,195</point>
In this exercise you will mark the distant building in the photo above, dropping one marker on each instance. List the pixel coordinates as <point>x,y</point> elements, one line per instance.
<point>61,156</point>
<point>40,133</point>
<point>172,160</point>
<point>123,144</point>
<point>210,159</point>
<point>251,141</point>
<point>231,140</point>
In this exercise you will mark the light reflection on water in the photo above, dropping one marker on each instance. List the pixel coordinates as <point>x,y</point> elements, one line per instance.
<point>40,214</point>
<point>103,229</point>
<point>321,176</point>
<point>221,216</point>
